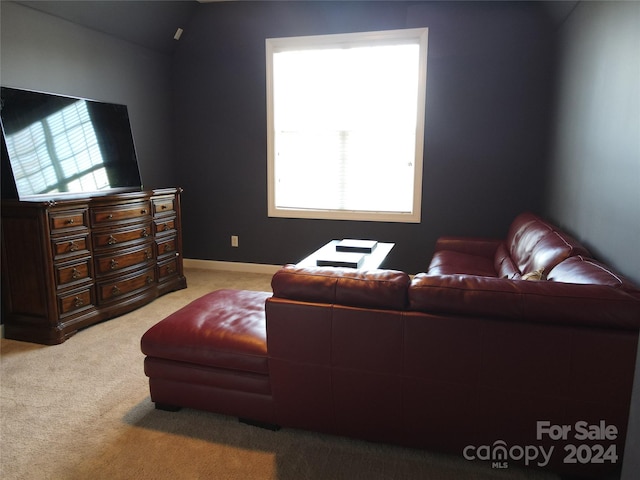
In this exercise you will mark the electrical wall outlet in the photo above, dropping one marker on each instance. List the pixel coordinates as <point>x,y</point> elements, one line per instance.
<point>234,240</point>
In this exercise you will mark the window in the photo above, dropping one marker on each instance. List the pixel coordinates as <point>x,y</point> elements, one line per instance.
<point>345,120</point>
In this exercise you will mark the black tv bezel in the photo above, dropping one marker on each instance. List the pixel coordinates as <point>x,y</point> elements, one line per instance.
<point>9,190</point>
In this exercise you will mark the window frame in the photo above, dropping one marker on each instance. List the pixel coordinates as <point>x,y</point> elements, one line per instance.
<point>385,37</point>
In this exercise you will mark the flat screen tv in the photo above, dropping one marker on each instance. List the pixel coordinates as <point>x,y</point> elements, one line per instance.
<point>55,146</point>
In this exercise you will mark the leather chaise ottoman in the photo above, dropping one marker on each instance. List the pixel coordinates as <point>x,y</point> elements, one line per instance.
<point>212,355</point>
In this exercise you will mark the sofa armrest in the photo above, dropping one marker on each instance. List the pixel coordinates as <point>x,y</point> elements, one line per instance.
<point>384,289</point>
<point>482,247</point>
<point>522,300</point>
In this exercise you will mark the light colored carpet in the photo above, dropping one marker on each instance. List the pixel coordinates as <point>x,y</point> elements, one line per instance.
<point>81,410</point>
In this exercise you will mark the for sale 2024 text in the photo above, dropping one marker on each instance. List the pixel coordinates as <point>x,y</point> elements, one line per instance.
<point>594,449</point>
<point>581,431</point>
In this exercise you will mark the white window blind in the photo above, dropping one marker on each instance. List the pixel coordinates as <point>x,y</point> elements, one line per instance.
<point>346,125</point>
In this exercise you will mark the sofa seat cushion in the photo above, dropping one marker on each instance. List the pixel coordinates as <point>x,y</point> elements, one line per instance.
<point>447,262</point>
<point>224,329</point>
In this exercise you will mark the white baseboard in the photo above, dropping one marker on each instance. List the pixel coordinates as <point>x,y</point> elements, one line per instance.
<point>231,266</point>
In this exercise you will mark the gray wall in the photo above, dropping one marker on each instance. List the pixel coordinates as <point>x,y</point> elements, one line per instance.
<point>45,53</point>
<point>490,74</point>
<point>595,173</point>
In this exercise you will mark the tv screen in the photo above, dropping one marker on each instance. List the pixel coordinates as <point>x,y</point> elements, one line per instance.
<point>56,146</point>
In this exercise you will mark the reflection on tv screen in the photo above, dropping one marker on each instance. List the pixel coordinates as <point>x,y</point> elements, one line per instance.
<point>58,153</point>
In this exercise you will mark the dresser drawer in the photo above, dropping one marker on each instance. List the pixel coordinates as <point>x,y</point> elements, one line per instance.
<point>126,285</point>
<point>123,259</point>
<point>113,238</point>
<point>130,211</point>
<point>167,269</point>
<point>164,206</point>
<point>164,225</point>
<point>75,302</point>
<point>68,220</point>
<point>70,246</point>
<point>70,273</point>
<point>166,246</point>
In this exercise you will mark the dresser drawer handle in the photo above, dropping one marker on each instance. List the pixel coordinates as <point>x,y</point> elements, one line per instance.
<point>75,274</point>
<point>143,211</point>
<point>115,291</point>
<point>166,227</point>
<point>113,264</point>
<point>167,247</point>
<point>144,233</point>
<point>71,221</point>
<point>163,207</point>
<point>110,216</point>
<point>170,270</point>
<point>73,246</point>
<point>78,302</point>
<point>112,240</point>
<point>147,254</point>
<point>149,279</point>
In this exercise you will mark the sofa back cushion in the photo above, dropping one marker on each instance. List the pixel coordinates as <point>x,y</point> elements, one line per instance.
<point>521,300</point>
<point>383,289</point>
<point>504,264</point>
<point>584,270</point>
<point>534,244</point>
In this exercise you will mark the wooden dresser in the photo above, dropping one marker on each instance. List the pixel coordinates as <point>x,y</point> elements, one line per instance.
<point>67,264</point>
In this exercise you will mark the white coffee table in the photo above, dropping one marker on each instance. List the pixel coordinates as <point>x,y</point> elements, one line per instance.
<point>370,261</point>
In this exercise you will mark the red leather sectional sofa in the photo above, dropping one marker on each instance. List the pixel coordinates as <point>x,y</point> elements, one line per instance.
<point>467,358</point>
